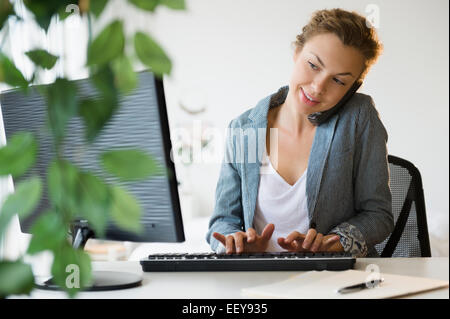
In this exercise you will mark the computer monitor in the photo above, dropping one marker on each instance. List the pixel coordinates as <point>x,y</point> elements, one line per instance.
<point>141,122</point>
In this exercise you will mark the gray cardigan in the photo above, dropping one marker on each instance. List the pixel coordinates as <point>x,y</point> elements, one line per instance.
<point>347,179</point>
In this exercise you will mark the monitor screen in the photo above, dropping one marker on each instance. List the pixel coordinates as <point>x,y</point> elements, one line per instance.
<point>140,123</point>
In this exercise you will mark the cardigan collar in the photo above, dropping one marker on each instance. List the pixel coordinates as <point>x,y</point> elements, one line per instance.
<point>259,113</point>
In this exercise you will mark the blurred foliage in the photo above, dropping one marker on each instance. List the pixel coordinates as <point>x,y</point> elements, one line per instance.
<point>42,58</point>
<point>150,5</point>
<point>73,192</point>
<point>130,164</point>
<point>9,74</point>
<point>108,45</point>
<point>19,155</point>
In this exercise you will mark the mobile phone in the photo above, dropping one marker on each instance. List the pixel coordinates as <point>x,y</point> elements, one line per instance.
<point>318,118</point>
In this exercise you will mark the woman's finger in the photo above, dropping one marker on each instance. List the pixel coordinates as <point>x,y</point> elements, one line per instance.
<point>295,235</point>
<point>220,238</point>
<point>330,241</point>
<point>309,239</point>
<point>282,242</point>
<point>239,241</point>
<point>316,245</point>
<point>298,245</point>
<point>327,243</point>
<point>251,235</point>
<point>230,244</point>
<point>268,231</point>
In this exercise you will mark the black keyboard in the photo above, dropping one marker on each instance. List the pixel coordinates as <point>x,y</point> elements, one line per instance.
<point>248,262</point>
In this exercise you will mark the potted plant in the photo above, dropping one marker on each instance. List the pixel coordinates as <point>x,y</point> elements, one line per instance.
<point>72,190</point>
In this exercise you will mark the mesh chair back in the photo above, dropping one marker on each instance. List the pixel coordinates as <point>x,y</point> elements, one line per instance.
<point>410,235</point>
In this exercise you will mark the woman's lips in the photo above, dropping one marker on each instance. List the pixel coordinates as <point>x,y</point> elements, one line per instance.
<point>305,99</point>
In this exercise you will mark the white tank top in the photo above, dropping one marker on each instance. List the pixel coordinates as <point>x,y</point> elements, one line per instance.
<point>281,204</point>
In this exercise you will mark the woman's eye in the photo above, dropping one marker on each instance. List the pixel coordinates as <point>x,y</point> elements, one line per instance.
<point>313,66</point>
<point>339,82</point>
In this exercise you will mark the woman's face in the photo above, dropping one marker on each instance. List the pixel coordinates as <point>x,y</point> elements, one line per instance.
<point>325,70</point>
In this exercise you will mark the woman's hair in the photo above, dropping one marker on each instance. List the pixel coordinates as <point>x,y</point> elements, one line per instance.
<point>350,27</point>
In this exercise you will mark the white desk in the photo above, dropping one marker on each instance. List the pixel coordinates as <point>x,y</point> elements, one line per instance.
<point>225,285</point>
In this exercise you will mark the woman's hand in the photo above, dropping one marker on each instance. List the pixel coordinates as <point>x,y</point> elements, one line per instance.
<point>312,241</point>
<point>248,241</point>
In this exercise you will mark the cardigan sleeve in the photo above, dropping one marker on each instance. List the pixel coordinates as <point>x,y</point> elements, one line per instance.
<point>373,221</point>
<point>227,215</point>
<point>351,239</point>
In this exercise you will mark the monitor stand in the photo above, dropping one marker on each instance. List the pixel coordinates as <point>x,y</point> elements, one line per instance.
<point>101,280</point>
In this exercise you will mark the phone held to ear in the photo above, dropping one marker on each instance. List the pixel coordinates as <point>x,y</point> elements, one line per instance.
<point>320,117</point>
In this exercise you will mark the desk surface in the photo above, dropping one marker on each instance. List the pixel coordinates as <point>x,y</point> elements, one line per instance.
<point>228,285</point>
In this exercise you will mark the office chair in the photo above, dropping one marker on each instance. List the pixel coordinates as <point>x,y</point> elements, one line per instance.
<point>410,235</point>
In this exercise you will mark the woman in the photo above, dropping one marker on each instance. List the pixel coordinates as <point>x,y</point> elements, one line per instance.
<point>316,185</point>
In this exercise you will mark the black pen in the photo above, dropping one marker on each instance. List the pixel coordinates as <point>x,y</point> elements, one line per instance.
<point>357,287</point>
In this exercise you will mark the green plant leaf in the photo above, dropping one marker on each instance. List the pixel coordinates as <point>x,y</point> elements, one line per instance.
<point>108,45</point>
<point>125,211</point>
<point>125,76</point>
<point>148,5</point>
<point>130,164</point>
<point>18,155</point>
<point>62,182</point>
<point>103,79</point>
<point>42,13</point>
<point>23,201</point>
<point>9,74</point>
<point>97,6</point>
<point>174,4</point>
<point>42,58</point>
<point>48,233</point>
<point>71,269</point>
<point>15,278</point>
<point>151,54</point>
<point>79,194</point>
<point>95,202</point>
<point>61,106</point>
<point>44,10</point>
<point>6,10</point>
<point>97,112</point>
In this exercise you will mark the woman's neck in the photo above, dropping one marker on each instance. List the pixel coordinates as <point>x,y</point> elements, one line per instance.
<point>290,120</point>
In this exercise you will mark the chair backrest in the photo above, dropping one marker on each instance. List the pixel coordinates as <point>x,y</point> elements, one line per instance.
<point>410,236</point>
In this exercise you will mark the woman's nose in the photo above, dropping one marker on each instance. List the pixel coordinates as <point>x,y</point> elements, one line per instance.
<point>319,86</point>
